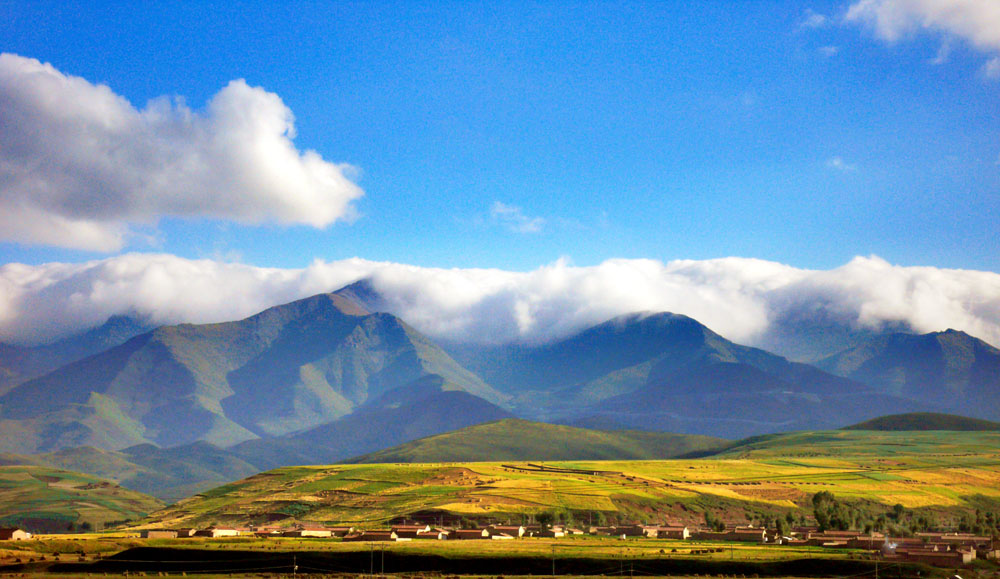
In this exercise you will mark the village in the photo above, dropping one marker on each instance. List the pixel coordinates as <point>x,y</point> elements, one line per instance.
<point>938,549</point>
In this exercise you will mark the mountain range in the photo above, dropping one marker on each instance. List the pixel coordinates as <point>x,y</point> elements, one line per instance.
<point>330,377</point>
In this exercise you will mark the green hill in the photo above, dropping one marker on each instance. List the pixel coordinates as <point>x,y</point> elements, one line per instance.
<point>938,474</point>
<point>925,421</point>
<point>514,439</point>
<point>169,474</point>
<point>44,499</point>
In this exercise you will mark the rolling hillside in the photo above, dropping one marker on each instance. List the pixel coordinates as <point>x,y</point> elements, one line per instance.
<point>43,499</point>
<point>514,439</point>
<point>945,475</point>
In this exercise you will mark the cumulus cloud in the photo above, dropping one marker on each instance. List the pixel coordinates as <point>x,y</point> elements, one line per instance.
<point>976,21</point>
<point>514,218</point>
<point>80,166</point>
<point>746,300</point>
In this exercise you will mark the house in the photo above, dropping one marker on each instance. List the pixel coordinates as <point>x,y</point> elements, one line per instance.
<point>674,532</point>
<point>341,531</point>
<point>186,532</point>
<point>372,536</point>
<point>501,536</point>
<point>309,531</point>
<point>937,558</point>
<point>411,528</point>
<point>13,534</point>
<point>512,530</point>
<point>747,534</point>
<point>217,532</point>
<point>469,534</point>
<point>158,534</point>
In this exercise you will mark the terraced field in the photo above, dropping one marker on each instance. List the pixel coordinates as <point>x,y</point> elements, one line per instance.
<point>48,499</point>
<point>949,472</point>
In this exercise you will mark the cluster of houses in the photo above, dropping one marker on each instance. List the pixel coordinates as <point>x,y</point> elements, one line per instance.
<point>941,549</point>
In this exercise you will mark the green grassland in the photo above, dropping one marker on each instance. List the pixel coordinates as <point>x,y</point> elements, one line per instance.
<point>945,472</point>
<point>47,499</point>
<point>516,439</point>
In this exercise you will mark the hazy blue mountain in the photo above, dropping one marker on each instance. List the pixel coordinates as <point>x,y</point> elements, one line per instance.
<point>22,363</point>
<point>428,406</point>
<point>289,368</point>
<point>669,372</point>
<point>951,370</point>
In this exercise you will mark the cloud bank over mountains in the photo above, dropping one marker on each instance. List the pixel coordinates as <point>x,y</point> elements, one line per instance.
<point>742,299</point>
<point>80,166</point>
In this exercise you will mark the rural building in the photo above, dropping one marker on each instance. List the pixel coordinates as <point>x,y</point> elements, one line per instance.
<point>217,532</point>
<point>186,532</point>
<point>373,536</point>
<point>512,530</point>
<point>341,531</point>
<point>469,534</point>
<point>158,534</point>
<point>13,534</point>
<point>411,528</point>
<point>674,532</point>
<point>309,531</point>
<point>937,558</point>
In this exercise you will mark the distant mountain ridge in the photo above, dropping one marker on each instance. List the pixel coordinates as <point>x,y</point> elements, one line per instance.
<point>951,370</point>
<point>288,368</point>
<point>664,371</point>
<point>21,363</point>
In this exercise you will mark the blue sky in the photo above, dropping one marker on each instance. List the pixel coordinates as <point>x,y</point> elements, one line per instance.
<point>510,136</point>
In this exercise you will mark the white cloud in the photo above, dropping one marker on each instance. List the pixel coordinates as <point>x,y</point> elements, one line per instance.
<point>838,164</point>
<point>829,51</point>
<point>813,19</point>
<point>991,69</point>
<point>976,21</point>
<point>742,299</point>
<point>80,166</point>
<point>514,219</point>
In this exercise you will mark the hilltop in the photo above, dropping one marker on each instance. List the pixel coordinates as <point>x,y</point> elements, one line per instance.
<point>925,421</point>
<point>515,439</point>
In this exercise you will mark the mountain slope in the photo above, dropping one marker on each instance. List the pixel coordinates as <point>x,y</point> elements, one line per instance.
<point>668,372</point>
<point>22,363</point>
<point>428,406</point>
<point>952,370</point>
<point>515,439</point>
<point>288,368</point>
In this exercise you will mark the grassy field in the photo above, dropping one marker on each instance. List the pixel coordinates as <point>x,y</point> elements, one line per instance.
<point>52,500</point>
<point>945,472</point>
